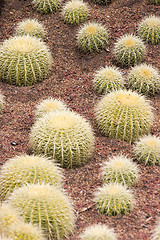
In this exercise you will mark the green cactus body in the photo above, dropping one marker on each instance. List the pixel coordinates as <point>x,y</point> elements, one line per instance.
<point>129,50</point>
<point>124,115</point>
<point>24,169</point>
<point>147,150</point>
<point>47,6</point>
<point>47,207</point>
<point>92,37</point>
<point>65,136</point>
<point>24,60</point>
<point>114,199</point>
<point>156,231</point>
<point>120,169</point>
<point>144,79</point>
<point>108,79</point>
<point>149,29</point>
<point>75,12</point>
<point>98,232</point>
<point>156,2</point>
<point>1,102</point>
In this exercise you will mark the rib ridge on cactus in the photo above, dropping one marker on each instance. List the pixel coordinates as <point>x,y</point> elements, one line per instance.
<point>147,150</point>
<point>24,60</point>
<point>120,169</point>
<point>46,6</point>
<point>65,136</point>
<point>129,50</point>
<point>156,231</point>
<point>124,115</point>
<point>1,102</point>
<point>24,169</point>
<point>108,79</point>
<point>75,12</point>
<point>92,37</point>
<point>47,207</point>
<point>114,199</point>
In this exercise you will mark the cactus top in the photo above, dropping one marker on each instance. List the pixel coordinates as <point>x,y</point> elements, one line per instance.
<point>130,41</point>
<point>151,21</point>
<point>75,4</point>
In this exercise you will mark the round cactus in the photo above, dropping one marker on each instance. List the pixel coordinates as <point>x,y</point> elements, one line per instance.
<point>30,27</point>
<point>1,102</point>
<point>149,29</point>
<point>65,136</point>
<point>156,2</point>
<point>26,169</point>
<point>114,199</point>
<point>156,231</point>
<point>98,232</point>
<point>147,150</point>
<point>129,50</point>
<point>47,207</point>
<point>46,6</point>
<point>144,79</point>
<point>48,105</point>
<point>92,37</point>
<point>124,115</point>
<point>120,169</point>
<point>24,60</point>
<point>75,12</point>
<point>108,79</point>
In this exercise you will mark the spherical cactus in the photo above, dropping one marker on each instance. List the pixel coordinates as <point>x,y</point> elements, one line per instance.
<point>1,102</point>
<point>156,2</point>
<point>98,232</point>
<point>120,169</point>
<point>156,231</point>
<point>46,6</point>
<point>92,37</point>
<point>47,207</point>
<point>144,79</point>
<point>24,169</point>
<point>108,79</point>
<point>114,199</point>
<point>65,136</point>
<point>30,27</point>
<point>124,115</point>
<point>24,60</point>
<point>129,50</point>
<point>147,150</point>
<point>48,105</point>
<point>75,12</point>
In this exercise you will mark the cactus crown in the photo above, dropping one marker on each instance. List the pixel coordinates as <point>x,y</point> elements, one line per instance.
<point>156,231</point>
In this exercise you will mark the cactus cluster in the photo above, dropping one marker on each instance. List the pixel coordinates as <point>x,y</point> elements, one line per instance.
<point>114,199</point>
<point>129,50</point>
<point>75,12</point>
<point>108,79</point>
<point>124,115</point>
<point>1,102</point>
<point>144,79</point>
<point>156,231</point>
<point>24,169</point>
<point>65,136</point>
<point>147,150</point>
<point>46,6</point>
<point>92,37</point>
<point>24,60</point>
<point>149,29</point>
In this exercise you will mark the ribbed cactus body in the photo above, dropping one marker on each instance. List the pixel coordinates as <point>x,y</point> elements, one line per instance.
<point>65,136</point>
<point>149,29</point>
<point>47,6</point>
<point>156,231</point>
<point>129,50</point>
<point>1,102</point>
<point>92,37</point>
<point>47,207</point>
<point>114,199</point>
<point>24,60</point>
<point>124,115</point>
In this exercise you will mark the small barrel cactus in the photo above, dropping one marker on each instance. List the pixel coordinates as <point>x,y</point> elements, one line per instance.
<point>114,199</point>
<point>46,6</point>
<point>30,27</point>
<point>147,150</point>
<point>156,231</point>
<point>92,37</point>
<point>24,169</point>
<point>75,12</point>
<point>149,29</point>
<point>129,50</point>
<point>120,169</point>
<point>124,115</point>
<point>98,232</point>
<point>156,2</point>
<point>48,105</point>
<point>24,60</point>
<point>65,136</point>
<point>1,102</point>
<point>47,207</point>
<point>108,79</point>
